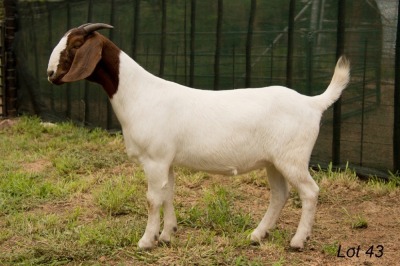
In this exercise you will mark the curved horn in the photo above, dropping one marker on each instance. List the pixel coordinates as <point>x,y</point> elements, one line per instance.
<point>90,27</point>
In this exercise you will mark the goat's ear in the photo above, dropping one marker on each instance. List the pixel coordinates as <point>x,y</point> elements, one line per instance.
<point>86,58</point>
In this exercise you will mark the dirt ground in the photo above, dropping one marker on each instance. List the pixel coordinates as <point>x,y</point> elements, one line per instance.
<point>338,237</point>
<point>334,241</point>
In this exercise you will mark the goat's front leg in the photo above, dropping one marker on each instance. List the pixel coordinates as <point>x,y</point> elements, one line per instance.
<point>170,223</point>
<point>157,191</point>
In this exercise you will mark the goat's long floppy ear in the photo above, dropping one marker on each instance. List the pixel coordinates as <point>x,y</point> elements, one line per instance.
<point>85,60</point>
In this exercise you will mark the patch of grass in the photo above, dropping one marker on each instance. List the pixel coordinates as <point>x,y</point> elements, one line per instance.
<point>42,165</point>
<point>67,163</point>
<point>279,237</point>
<point>189,178</point>
<point>19,190</point>
<point>346,177</point>
<point>335,180</point>
<point>216,221</point>
<point>280,262</point>
<point>394,178</point>
<point>256,178</point>
<point>382,187</point>
<point>218,214</point>
<point>357,221</point>
<point>29,127</point>
<point>108,234</point>
<point>330,249</point>
<point>191,217</point>
<point>117,195</point>
<point>242,261</point>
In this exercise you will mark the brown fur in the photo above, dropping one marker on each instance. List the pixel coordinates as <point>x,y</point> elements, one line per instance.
<point>89,56</point>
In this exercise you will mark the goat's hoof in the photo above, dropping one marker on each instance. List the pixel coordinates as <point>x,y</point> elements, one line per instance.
<point>145,244</point>
<point>295,249</point>
<point>164,243</point>
<point>296,245</point>
<point>256,238</point>
<point>164,237</point>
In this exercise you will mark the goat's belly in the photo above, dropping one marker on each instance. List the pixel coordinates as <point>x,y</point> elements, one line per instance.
<point>224,167</point>
<point>230,154</point>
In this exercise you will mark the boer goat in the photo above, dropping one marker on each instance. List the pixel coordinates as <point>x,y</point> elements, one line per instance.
<point>225,132</point>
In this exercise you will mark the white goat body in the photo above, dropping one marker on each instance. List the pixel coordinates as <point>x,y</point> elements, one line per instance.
<point>231,131</point>
<point>226,132</point>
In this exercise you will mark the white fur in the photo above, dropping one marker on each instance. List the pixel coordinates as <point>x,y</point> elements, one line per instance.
<point>226,132</point>
<point>55,55</point>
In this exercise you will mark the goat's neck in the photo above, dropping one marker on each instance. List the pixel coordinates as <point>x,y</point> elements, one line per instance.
<point>122,79</point>
<point>106,72</point>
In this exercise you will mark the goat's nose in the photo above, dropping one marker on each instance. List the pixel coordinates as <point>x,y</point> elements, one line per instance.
<point>50,73</point>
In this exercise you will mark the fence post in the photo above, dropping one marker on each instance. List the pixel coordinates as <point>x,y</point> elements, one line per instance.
<point>2,73</point>
<point>68,85</point>
<point>218,44</point>
<point>192,41</point>
<point>289,59</point>
<point>309,63</point>
<point>50,43</point>
<point>233,67</point>
<point>337,107</point>
<point>396,126</point>
<point>249,42</point>
<point>135,28</point>
<point>363,102</point>
<point>10,72</point>
<point>163,37</point>
<point>271,65</point>
<point>86,95</point>
<point>110,111</point>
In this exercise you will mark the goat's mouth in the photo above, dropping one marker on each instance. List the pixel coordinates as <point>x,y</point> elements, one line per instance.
<point>53,78</point>
<point>55,81</point>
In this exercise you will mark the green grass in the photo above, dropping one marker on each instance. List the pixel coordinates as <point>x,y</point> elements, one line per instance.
<point>117,195</point>
<point>330,249</point>
<point>357,221</point>
<point>69,196</point>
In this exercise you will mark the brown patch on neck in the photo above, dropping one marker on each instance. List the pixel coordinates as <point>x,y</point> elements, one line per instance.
<point>106,72</point>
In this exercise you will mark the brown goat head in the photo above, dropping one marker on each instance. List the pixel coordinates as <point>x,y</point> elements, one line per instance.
<point>77,54</point>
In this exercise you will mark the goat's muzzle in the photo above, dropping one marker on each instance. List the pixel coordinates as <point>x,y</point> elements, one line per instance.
<point>50,73</point>
<point>53,78</point>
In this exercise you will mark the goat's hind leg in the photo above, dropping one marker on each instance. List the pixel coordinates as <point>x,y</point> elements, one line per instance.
<point>170,223</point>
<point>308,191</point>
<point>279,195</point>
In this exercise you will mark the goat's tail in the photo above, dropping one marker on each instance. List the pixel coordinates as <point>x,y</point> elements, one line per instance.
<point>340,79</point>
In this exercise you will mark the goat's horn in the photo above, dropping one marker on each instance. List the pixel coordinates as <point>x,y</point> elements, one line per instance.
<point>90,27</point>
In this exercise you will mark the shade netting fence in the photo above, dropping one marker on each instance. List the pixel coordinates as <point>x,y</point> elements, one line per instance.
<point>220,45</point>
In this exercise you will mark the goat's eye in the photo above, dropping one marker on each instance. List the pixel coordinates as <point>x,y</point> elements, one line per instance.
<point>77,45</point>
